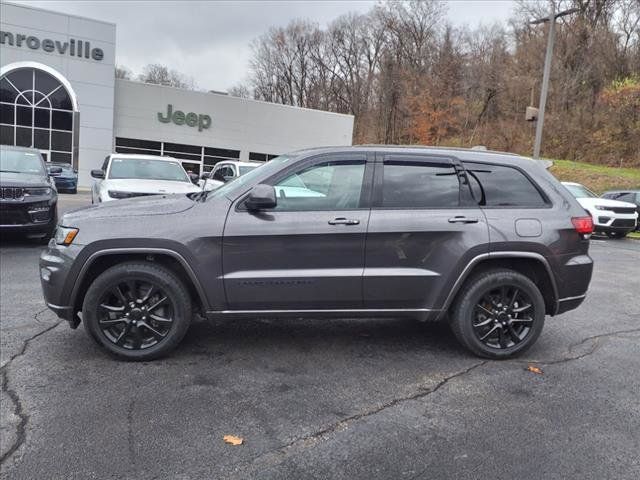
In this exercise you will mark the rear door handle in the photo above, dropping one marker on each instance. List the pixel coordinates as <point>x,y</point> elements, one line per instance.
<point>461,219</point>
<point>344,221</point>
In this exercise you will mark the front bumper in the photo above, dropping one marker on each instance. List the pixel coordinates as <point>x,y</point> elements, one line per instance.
<point>55,265</point>
<point>66,183</point>
<point>608,221</point>
<point>37,214</point>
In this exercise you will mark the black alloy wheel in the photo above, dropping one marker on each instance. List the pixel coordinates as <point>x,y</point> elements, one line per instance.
<point>135,314</point>
<point>503,317</point>
<point>137,311</point>
<point>498,313</point>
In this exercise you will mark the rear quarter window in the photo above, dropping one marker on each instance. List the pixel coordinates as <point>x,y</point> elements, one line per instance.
<point>502,186</point>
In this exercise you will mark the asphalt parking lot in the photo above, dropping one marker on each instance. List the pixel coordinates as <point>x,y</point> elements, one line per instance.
<point>322,399</point>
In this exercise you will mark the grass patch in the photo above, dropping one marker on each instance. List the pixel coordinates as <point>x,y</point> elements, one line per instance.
<point>598,178</point>
<point>635,235</point>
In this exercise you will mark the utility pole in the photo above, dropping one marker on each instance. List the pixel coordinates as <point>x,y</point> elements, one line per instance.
<point>547,70</point>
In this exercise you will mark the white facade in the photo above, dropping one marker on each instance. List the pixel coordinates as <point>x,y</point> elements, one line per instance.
<point>248,127</point>
<point>91,81</point>
<point>102,115</point>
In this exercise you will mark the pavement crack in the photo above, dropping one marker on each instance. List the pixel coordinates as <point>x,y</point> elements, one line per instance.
<point>18,409</point>
<point>594,338</point>
<point>312,438</point>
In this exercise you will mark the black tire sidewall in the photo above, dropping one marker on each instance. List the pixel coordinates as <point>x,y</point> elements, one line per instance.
<point>161,276</point>
<point>462,318</point>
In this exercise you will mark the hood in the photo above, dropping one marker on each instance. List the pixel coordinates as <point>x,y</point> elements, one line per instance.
<point>10,179</point>
<point>133,207</point>
<point>138,185</point>
<point>605,202</point>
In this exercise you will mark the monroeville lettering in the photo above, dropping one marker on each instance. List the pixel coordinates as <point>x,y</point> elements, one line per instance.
<point>74,48</point>
<point>190,119</point>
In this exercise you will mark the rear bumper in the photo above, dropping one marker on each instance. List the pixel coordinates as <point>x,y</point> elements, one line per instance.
<point>570,303</point>
<point>573,275</point>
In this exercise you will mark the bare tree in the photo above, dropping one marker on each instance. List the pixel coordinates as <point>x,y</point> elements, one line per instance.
<point>408,77</point>
<point>161,75</point>
<point>123,72</point>
<point>240,91</point>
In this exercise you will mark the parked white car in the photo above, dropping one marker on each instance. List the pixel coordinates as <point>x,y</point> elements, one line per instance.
<point>226,171</point>
<point>126,175</point>
<point>611,217</point>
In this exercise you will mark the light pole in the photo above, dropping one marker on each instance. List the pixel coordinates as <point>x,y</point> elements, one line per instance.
<point>547,70</point>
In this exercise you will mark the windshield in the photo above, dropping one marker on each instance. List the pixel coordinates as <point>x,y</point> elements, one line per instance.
<point>246,169</point>
<point>580,191</point>
<point>15,161</point>
<point>147,169</point>
<point>265,170</point>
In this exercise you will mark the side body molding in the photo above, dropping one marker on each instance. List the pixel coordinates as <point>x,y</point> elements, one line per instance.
<point>150,251</point>
<point>493,255</point>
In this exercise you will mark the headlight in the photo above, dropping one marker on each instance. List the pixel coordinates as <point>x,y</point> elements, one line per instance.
<point>37,192</point>
<point>65,235</point>
<point>601,207</point>
<point>119,194</point>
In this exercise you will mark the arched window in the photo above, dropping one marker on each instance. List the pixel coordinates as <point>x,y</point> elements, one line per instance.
<point>37,110</point>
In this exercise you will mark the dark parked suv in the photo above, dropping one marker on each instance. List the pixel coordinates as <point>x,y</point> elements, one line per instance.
<point>490,242</point>
<point>28,196</point>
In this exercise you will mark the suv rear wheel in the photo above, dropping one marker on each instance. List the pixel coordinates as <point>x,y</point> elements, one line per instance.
<point>499,314</point>
<point>137,311</point>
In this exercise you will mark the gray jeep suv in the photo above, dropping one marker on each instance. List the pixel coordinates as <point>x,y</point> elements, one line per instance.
<point>490,242</point>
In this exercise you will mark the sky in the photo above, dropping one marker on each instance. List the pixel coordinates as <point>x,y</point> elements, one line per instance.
<point>210,40</point>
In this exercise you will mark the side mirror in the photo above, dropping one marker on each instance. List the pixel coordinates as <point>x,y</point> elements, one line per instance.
<point>97,173</point>
<point>219,177</point>
<point>261,197</point>
<point>194,178</point>
<point>55,171</point>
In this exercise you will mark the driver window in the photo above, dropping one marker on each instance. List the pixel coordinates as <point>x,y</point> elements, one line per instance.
<point>324,186</point>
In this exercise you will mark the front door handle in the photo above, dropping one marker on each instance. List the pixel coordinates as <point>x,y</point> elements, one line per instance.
<point>462,219</point>
<point>344,221</point>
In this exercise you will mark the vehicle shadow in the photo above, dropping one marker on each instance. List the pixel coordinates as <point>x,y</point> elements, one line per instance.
<point>14,240</point>
<point>368,337</point>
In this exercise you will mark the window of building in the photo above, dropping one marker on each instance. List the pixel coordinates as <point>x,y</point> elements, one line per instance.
<point>502,186</point>
<point>36,110</point>
<point>418,184</point>
<point>261,157</point>
<point>195,158</point>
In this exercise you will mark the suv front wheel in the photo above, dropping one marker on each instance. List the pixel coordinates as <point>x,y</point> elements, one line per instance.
<point>500,313</point>
<point>137,311</point>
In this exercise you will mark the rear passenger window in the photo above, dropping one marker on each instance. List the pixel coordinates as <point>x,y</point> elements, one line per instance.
<point>500,186</point>
<point>411,184</point>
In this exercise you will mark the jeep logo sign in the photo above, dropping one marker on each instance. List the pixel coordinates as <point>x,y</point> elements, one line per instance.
<point>189,119</point>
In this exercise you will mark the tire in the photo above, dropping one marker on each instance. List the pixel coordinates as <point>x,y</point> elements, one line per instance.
<point>470,320</point>
<point>73,191</point>
<point>114,328</point>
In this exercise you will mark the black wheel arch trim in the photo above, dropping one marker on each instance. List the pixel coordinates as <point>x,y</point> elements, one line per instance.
<point>138,250</point>
<point>494,255</point>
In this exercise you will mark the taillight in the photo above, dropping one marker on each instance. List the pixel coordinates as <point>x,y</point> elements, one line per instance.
<point>583,225</point>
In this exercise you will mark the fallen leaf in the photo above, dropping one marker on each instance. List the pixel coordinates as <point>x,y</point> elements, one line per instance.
<point>232,440</point>
<point>535,369</point>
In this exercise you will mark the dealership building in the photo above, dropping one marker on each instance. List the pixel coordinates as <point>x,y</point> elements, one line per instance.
<point>59,94</point>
